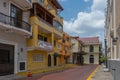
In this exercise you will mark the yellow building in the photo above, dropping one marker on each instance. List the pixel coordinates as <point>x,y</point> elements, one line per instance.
<point>47,29</point>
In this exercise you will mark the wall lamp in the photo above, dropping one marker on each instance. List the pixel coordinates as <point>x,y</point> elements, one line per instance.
<point>114,41</point>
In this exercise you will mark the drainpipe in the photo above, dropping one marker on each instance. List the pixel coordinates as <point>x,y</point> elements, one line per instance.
<point>115,50</point>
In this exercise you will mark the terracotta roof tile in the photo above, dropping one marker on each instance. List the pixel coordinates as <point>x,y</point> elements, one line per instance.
<point>90,40</point>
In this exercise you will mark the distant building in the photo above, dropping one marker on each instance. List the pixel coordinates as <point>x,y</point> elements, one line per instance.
<point>76,51</point>
<point>92,50</point>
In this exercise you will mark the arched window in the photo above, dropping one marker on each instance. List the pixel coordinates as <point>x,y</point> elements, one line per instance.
<point>91,59</point>
<point>91,48</point>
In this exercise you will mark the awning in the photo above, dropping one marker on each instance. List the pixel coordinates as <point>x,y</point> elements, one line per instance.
<point>55,54</point>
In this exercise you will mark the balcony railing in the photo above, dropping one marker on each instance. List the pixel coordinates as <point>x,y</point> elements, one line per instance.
<point>44,45</point>
<point>14,22</point>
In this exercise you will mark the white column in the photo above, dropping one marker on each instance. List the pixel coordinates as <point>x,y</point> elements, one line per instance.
<point>115,50</point>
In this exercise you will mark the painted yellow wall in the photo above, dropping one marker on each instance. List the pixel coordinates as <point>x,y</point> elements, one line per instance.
<point>37,26</point>
<point>34,40</point>
<point>31,65</point>
<point>48,35</point>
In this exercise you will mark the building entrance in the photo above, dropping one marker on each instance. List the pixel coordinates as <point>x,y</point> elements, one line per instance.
<point>6,59</point>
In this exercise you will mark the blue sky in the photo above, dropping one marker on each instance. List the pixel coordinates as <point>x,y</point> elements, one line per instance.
<point>71,8</point>
<point>84,18</point>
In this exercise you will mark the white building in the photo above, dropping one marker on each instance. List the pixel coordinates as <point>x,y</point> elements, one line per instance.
<point>92,48</point>
<point>76,51</point>
<point>14,30</point>
<point>112,36</point>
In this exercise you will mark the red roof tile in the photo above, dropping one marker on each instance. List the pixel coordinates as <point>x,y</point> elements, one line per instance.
<point>90,40</point>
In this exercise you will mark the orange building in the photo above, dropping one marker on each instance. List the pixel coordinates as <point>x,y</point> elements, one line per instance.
<point>64,51</point>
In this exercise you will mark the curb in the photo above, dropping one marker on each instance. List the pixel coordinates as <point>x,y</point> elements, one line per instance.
<point>90,76</point>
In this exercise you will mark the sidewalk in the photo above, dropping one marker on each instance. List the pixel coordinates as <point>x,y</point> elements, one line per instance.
<point>102,74</point>
<point>10,77</point>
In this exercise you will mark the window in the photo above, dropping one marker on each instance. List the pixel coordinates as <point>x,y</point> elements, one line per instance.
<point>45,39</point>
<point>16,14</point>
<point>59,46</point>
<point>38,57</point>
<point>54,43</point>
<point>57,25</point>
<point>91,48</point>
<point>63,41</point>
<point>40,37</point>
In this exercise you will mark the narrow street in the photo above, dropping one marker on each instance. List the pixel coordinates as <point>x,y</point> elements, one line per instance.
<point>75,73</point>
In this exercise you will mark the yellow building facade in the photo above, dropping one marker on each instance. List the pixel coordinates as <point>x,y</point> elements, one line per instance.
<point>47,29</point>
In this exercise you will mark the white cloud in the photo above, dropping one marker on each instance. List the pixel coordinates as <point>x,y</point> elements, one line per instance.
<point>86,0</point>
<point>88,23</point>
<point>99,5</point>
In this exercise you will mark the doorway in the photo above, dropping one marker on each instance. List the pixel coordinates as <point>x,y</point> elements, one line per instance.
<point>49,60</point>
<point>91,58</point>
<point>6,59</point>
<point>55,60</point>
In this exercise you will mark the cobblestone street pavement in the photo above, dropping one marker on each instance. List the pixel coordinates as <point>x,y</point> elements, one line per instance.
<point>77,73</point>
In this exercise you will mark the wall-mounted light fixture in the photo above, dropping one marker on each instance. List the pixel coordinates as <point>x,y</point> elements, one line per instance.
<point>114,41</point>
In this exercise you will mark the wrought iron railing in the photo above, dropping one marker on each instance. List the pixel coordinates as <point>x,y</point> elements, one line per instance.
<point>14,22</point>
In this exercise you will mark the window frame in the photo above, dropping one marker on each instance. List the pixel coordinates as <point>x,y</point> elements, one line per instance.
<point>38,57</point>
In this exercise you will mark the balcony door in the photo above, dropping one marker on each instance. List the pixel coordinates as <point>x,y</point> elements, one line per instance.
<point>16,16</point>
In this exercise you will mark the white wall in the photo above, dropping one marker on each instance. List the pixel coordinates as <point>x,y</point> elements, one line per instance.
<point>3,9</point>
<point>87,56</point>
<point>6,10</point>
<point>75,46</point>
<point>19,40</point>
